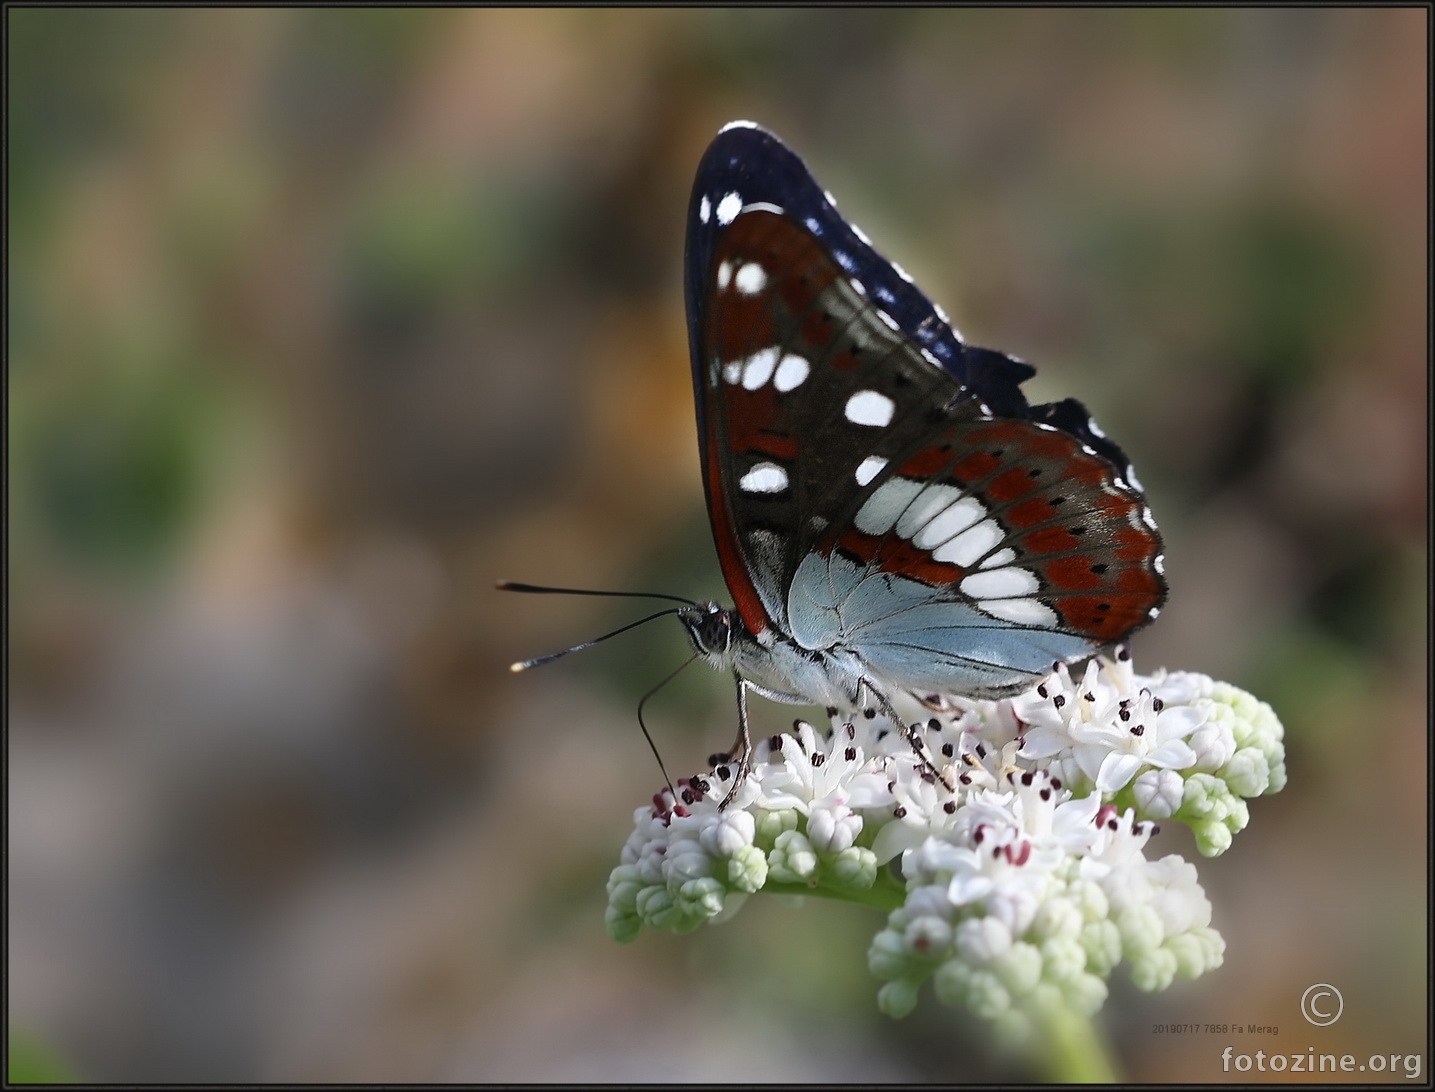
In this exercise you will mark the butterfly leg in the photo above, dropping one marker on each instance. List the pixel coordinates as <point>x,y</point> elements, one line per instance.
<point>742,746</point>
<point>908,730</point>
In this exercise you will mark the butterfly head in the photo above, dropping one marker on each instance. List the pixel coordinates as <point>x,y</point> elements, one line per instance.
<point>712,629</point>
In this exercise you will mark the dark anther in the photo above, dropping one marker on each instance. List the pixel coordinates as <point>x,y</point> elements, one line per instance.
<point>1042,690</point>
<point>775,743</point>
<point>996,852</point>
<point>1098,569</point>
<point>1055,783</point>
<point>1123,654</point>
<point>1139,730</point>
<point>934,724</point>
<point>797,726</point>
<point>1046,794</point>
<point>819,759</point>
<point>723,773</point>
<point>948,749</point>
<point>965,779</point>
<point>1157,705</point>
<point>950,807</point>
<point>1089,696</point>
<point>719,759</point>
<point>1026,779</point>
<point>850,754</point>
<point>1059,700</point>
<point>978,837</point>
<point>702,785</point>
<point>851,730</point>
<point>981,750</point>
<point>899,811</point>
<point>688,796</point>
<point>832,710</point>
<point>882,734</point>
<point>869,713</point>
<point>1124,714</point>
<point>1112,824</point>
<point>1155,829</point>
<point>929,777</point>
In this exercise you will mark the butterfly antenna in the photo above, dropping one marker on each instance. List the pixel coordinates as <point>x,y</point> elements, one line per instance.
<point>524,665</point>
<point>648,735</point>
<point>539,589</point>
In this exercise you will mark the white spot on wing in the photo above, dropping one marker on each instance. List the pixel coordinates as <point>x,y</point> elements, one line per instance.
<point>930,358</point>
<point>728,208</point>
<point>830,199</point>
<point>1006,583</point>
<point>791,372</point>
<point>1159,564</point>
<point>764,478</point>
<point>857,286</point>
<point>1148,519</point>
<point>971,545</point>
<point>888,319</point>
<point>937,307</point>
<point>897,269</point>
<point>884,506</point>
<point>757,369</point>
<point>1001,557</point>
<point>1024,612</point>
<point>763,206</point>
<point>724,274</point>
<point>857,231</point>
<point>739,124</point>
<point>924,506</point>
<point>1133,479</point>
<point>870,468</point>
<point>870,408</point>
<point>732,372</point>
<point>750,279</point>
<point>1153,612</point>
<point>952,521</point>
<point>1094,428</point>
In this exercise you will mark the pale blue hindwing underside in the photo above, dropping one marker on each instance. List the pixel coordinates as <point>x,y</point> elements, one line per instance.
<point>912,640</point>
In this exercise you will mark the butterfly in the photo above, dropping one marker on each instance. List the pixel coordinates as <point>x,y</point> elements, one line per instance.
<point>890,514</point>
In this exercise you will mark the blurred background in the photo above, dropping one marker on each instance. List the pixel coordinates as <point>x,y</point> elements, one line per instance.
<point>322,321</point>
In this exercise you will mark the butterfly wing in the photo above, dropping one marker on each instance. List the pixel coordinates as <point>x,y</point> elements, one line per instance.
<point>875,483</point>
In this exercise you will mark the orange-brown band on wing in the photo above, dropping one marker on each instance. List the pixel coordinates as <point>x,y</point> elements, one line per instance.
<point>898,556</point>
<point>734,568</point>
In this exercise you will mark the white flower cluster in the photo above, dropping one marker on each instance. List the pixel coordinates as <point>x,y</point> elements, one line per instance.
<point>1013,863</point>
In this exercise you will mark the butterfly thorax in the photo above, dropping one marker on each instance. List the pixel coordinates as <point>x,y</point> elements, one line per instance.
<point>777,668</point>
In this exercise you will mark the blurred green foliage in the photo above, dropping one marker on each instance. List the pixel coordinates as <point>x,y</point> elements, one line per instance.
<point>31,1062</point>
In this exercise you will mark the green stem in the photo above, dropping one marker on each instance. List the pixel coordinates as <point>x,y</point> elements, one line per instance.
<point>885,895</point>
<point>1076,1052</point>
